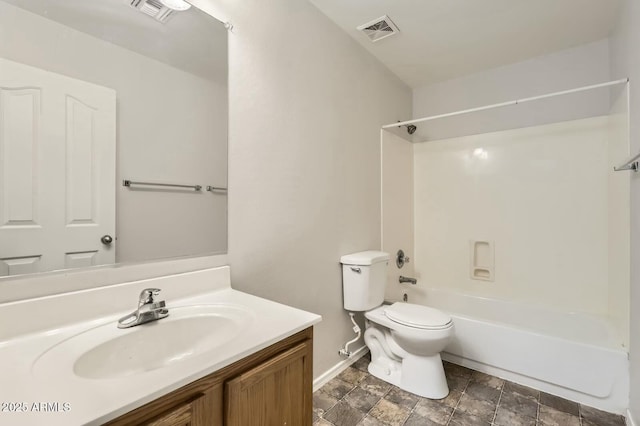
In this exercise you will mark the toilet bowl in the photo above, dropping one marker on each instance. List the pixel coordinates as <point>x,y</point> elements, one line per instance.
<point>405,340</point>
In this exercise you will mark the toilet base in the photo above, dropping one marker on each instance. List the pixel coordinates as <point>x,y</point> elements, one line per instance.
<point>423,376</point>
<point>386,369</point>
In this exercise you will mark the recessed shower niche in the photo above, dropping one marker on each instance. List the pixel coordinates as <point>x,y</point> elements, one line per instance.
<point>481,260</point>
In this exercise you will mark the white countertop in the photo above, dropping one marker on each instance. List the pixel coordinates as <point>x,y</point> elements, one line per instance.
<point>72,400</point>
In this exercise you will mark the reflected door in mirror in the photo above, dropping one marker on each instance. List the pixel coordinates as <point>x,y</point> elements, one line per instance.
<point>57,189</point>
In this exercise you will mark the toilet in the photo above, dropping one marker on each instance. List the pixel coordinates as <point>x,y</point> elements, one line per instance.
<point>405,340</point>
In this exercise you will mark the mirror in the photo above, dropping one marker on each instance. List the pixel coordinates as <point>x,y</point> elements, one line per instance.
<point>97,92</point>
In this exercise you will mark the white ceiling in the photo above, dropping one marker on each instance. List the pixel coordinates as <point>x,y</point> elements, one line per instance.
<point>192,41</point>
<point>444,39</point>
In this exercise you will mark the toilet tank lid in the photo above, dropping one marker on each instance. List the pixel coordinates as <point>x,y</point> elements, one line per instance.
<point>364,258</point>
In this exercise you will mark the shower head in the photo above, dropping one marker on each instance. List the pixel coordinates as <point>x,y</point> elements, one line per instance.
<point>411,129</point>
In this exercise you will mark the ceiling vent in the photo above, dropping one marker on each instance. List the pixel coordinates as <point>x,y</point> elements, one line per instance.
<point>153,8</point>
<point>379,28</point>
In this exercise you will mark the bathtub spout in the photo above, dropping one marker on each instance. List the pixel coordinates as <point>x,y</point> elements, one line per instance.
<point>407,280</point>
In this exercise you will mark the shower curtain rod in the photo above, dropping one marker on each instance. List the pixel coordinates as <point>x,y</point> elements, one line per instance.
<point>503,104</point>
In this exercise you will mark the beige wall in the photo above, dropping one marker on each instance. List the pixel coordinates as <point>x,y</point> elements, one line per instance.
<point>306,106</point>
<point>567,69</point>
<point>151,134</point>
<point>625,62</point>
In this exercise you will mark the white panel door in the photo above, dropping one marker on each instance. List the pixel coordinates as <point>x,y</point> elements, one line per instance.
<point>57,171</point>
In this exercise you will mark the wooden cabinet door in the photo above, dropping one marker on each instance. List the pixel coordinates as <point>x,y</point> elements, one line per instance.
<point>181,416</point>
<point>187,414</point>
<point>277,392</point>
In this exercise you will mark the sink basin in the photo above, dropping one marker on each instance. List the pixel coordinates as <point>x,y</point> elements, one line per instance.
<point>107,352</point>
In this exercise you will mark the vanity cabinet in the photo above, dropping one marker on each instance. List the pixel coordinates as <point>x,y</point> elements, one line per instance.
<point>271,387</point>
<point>272,393</point>
<point>183,415</point>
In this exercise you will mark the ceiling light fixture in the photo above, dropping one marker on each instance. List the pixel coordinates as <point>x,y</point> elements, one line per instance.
<point>179,5</point>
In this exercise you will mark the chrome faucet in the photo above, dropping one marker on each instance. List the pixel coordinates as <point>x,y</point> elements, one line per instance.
<point>148,310</point>
<point>407,280</point>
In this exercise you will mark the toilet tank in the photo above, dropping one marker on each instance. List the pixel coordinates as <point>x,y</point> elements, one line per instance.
<point>364,276</point>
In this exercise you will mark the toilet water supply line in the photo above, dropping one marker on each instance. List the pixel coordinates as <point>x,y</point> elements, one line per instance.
<point>356,329</point>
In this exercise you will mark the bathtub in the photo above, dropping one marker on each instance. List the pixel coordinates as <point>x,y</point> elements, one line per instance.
<point>576,356</point>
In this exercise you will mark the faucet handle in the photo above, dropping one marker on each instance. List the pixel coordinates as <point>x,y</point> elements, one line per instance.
<point>146,295</point>
<point>401,259</point>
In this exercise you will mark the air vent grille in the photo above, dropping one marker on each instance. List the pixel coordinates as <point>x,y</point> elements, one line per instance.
<point>153,8</point>
<point>379,28</point>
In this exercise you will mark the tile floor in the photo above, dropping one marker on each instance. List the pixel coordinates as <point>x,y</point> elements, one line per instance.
<point>356,398</point>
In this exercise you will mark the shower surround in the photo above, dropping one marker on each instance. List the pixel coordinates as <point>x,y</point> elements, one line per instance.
<point>553,314</point>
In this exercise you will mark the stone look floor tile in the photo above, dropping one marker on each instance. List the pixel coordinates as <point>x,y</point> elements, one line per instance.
<point>337,388</point>
<point>461,418</point>
<point>322,401</point>
<point>487,380</point>
<point>458,383</point>
<point>452,399</point>
<point>361,399</point>
<point>480,391</point>
<point>600,418</point>
<point>352,375</point>
<point>478,407</point>
<point>402,398</point>
<point>433,410</point>
<point>586,422</point>
<point>456,370</point>
<point>342,414</point>
<point>374,385</point>
<point>506,417</point>
<point>357,398</point>
<point>520,404</point>
<point>548,416</point>
<point>371,421</point>
<point>362,364</point>
<point>416,419</point>
<point>389,413</point>
<point>522,390</point>
<point>559,404</point>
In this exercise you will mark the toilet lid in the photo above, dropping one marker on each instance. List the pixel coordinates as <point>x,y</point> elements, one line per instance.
<point>417,316</point>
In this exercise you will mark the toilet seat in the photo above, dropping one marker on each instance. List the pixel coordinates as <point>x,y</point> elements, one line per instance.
<point>417,316</point>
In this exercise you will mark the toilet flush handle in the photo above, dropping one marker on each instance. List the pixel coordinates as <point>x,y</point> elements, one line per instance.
<point>356,270</point>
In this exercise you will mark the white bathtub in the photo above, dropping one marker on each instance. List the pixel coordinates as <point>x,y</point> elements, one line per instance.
<point>575,356</point>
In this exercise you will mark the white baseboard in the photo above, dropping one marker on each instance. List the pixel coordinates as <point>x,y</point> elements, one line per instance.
<point>630,421</point>
<point>325,377</point>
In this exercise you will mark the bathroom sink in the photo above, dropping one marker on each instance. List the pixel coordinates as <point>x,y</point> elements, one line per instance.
<point>107,352</point>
